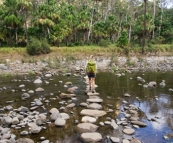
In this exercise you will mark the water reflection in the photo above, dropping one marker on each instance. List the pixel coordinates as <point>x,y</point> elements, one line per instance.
<point>154,103</point>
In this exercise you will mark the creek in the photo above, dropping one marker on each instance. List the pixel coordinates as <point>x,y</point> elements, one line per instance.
<point>155,104</point>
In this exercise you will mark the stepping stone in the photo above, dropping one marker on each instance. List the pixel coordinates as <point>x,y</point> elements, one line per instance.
<point>95,106</point>
<point>95,100</point>
<point>87,127</point>
<point>91,137</point>
<point>129,131</point>
<point>93,113</point>
<point>88,119</point>
<point>94,97</point>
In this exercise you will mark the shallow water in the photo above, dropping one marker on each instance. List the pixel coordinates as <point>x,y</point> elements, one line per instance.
<point>111,89</point>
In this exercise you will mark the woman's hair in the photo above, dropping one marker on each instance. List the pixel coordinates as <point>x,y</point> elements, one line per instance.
<point>91,57</point>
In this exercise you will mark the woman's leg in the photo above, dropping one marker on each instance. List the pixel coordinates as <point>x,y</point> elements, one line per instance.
<point>93,83</point>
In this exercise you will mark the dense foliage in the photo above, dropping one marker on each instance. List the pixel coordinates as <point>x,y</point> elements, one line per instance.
<point>85,22</point>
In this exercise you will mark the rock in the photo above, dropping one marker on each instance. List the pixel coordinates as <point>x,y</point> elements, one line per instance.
<point>68,83</point>
<point>34,128</point>
<point>15,121</point>
<point>24,140</point>
<point>45,141</point>
<point>129,131</point>
<point>88,119</point>
<point>54,116</point>
<point>48,75</point>
<point>24,133</point>
<point>38,103</point>
<point>65,116</point>
<point>37,81</point>
<point>70,105</point>
<point>91,137</point>
<point>95,100</point>
<point>72,89</point>
<point>54,110</point>
<point>139,123</point>
<point>60,122</point>
<point>115,140</point>
<point>114,125</point>
<point>64,95</point>
<point>6,120</point>
<point>25,95</point>
<point>8,108</point>
<point>135,141</point>
<point>31,91</point>
<point>84,104</point>
<point>126,141</point>
<point>87,127</point>
<point>22,109</point>
<point>93,113</point>
<point>127,95</point>
<point>21,85</point>
<point>39,89</point>
<point>94,106</point>
<point>152,84</point>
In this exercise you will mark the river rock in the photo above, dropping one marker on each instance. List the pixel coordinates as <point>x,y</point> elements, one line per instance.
<point>34,128</point>
<point>72,89</point>
<point>135,141</point>
<point>60,122</point>
<point>93,113</point>
<point>95,100</point>
<point>152,84</point>
<point>21,85</point>
<point>114,125</point>
<point>6,120</point>
<point>126,141</point>
<point>37,81</point>
<point>25,95</point>
<point>115,140</point>
<point>24,140</point>
<point>83,104</point>
<point>54,116</point>
<point>94,106</point>
<point>48,75</point>
<point>129,131</point>
<point>91,137</point>
<point>54,110</point>
<point>68,83</point>
<point>15,121</point>
<point>70,105</point>
<point>65,116</point>
<point>39,89</point>
<point>88,119</point>
<point>64,95</point>
<point>24,133</point>
<point>31,91</point>
<point>38,103</point>
<point>87,127</point>
<point>139,123</point>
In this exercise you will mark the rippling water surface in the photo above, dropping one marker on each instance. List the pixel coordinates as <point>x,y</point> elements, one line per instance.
<point>154,103</point>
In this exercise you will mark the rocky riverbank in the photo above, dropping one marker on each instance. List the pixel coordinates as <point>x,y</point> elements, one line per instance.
<point>155,63</point>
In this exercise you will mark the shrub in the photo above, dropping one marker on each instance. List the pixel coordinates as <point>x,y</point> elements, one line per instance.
<point>37,47</point>
<point>103,43</point>
<point>123,40</point>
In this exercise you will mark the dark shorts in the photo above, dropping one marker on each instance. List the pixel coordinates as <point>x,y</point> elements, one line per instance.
<point>91,75</point>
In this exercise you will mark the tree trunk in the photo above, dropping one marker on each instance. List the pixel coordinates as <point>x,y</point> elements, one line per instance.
<point>26,28</point>
<point>144,32</point>
<point>154,14</point>
<point>161,19</point>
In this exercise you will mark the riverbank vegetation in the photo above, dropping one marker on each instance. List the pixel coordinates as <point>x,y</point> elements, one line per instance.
<point>129,24</point>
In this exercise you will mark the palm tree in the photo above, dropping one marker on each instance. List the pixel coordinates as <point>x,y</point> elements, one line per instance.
<point>24,7</point>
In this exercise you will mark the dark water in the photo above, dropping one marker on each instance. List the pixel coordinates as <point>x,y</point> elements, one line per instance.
<point>111,89</point>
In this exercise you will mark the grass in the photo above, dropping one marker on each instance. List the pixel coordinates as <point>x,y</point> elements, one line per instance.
<point>81,52</point>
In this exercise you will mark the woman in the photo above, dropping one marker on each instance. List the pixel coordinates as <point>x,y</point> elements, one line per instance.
<point>91,70</point>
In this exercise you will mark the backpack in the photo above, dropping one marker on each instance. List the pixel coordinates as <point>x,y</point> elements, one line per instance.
<point>91,66</point>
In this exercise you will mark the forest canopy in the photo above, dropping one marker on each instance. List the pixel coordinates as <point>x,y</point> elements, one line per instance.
<point>85,22</point>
